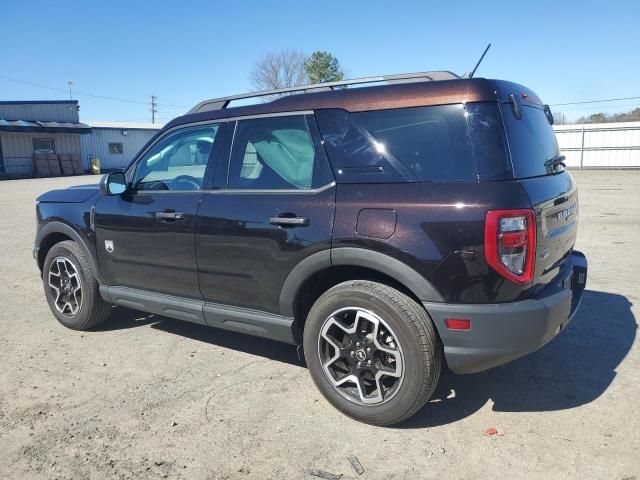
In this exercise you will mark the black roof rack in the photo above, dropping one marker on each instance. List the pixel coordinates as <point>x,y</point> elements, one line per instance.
<point>223,102</point>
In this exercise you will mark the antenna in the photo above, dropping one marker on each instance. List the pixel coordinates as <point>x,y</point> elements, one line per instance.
<point>478,64</point>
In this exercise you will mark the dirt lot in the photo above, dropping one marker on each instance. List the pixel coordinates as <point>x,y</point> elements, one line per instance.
<point>149,397</point>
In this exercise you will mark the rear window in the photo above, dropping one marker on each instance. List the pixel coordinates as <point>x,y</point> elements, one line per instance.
<point>446,143</point>
<point>531,141</point>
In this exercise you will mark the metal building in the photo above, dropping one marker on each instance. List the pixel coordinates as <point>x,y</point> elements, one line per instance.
<point>30,129</point>
<point>115,143</point>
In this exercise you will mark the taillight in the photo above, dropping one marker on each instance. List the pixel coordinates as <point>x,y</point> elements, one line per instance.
<point>510,243</point>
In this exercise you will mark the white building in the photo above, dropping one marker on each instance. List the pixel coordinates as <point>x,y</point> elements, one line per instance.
<point>600,145</point>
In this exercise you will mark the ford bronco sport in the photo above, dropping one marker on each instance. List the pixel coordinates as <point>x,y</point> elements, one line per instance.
<point>387,229</point>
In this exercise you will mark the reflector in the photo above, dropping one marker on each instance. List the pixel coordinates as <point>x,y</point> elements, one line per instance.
<point>457,323</point>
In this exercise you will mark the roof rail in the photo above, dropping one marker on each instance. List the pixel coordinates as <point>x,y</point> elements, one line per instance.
<point>223,102</point>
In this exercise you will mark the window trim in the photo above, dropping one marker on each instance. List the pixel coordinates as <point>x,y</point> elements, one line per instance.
<point>269,191</point>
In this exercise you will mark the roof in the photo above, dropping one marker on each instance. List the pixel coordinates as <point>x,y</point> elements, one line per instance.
<point>396,95</point>
<point>37,102</point>
<point>24,126</point>
<point>124,125</point>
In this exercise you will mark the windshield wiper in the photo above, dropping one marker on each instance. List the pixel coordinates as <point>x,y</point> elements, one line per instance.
<point>555,161</point>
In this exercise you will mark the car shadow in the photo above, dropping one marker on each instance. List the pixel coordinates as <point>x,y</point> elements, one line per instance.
<point>572,370</point>
<point>122,318</point>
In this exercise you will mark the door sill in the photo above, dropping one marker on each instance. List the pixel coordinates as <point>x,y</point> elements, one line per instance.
<point>237,319</point>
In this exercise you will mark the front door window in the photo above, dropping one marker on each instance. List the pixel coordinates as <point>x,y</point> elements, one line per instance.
<point>177,162</point>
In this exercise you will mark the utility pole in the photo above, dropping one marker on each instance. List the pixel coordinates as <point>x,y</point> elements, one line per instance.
<point>154,108</point>
<point>70,84</point>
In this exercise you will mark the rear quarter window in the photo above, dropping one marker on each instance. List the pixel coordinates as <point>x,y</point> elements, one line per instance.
<point>531,141</point>
<point>447,143</point>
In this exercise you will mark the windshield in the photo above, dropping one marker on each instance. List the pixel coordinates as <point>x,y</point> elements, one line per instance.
<point>532,143</point>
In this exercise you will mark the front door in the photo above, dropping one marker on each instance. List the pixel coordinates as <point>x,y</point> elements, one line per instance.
<point>277,209</point>
<point>145,238</point>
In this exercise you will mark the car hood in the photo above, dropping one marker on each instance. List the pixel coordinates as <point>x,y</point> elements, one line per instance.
<point>76,194</point>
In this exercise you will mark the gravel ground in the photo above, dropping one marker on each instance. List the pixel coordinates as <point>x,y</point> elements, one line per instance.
<point>150,397</point>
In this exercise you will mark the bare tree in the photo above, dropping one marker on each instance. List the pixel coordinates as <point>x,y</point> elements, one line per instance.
<point>279,70</point>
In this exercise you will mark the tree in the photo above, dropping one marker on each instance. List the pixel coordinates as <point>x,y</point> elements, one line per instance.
<point>632,116</point>
<point>323,67</point>
<point>279,70</point>
<point>559,118</point>
<point>597,118</point>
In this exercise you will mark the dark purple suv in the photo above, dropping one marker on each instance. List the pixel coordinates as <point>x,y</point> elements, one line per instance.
<point>387,229</point>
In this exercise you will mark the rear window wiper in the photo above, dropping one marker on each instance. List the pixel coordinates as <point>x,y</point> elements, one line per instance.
<point>555,161</point>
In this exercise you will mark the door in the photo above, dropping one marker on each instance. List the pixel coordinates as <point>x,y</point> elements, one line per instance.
<point>145,238</point>
<point>277,209</point>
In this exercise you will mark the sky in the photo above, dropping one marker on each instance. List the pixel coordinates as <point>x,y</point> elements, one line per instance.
<point>187,51</point>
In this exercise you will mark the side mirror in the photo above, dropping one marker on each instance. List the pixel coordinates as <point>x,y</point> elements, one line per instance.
<point>113,184</point>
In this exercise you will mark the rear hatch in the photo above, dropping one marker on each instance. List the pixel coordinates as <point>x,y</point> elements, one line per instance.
<point>536,164</point>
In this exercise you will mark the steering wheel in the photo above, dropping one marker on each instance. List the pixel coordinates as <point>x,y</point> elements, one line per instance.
<point>194,182</point>
<point>154,185</point>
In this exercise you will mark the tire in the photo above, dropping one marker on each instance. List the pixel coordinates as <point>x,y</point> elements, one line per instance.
<point>65,268</point>
<point>409,354</point>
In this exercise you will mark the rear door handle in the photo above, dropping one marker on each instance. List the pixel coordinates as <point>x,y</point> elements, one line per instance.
<point>169,216</point>
<point>290,221</point>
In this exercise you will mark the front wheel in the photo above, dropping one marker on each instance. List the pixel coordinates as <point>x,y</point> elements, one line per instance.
<point>72,290</point>
<point>372,351</point>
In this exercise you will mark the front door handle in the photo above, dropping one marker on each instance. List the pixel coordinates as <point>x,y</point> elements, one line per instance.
<point>169,216</point>
<point>289,221</point>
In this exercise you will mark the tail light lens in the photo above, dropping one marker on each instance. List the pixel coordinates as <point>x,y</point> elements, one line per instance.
<point>510,243</point>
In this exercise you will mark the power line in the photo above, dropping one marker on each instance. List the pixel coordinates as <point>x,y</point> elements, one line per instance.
<point>140,102</point>
<point>103,97</point>
<point>601,107</point>
<point>594,101</point>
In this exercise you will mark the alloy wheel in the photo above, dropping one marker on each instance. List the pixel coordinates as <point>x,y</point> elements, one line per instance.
<point>66,286</point>
<point>361,356</point>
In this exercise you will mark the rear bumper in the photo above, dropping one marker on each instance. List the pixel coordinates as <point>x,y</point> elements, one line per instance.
<point>502,332</point>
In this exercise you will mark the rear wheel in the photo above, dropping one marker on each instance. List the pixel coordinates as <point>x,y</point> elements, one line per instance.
<point>372,351</point>
<point>71,288</point>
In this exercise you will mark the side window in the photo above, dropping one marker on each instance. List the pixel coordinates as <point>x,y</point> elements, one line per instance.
<point>178,161</point>
<point>274,153</point>
<point>444,143</point>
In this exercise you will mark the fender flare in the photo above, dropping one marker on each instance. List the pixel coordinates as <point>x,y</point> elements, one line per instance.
<point>65,229</point>
<point>355,257</point>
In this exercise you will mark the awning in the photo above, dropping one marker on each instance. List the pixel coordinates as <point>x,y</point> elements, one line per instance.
<point>24,126</point>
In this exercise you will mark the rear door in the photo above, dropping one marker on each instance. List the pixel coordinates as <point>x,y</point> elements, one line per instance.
<point>536,164</point>
<point>276,209</point>
<point>145,238</point>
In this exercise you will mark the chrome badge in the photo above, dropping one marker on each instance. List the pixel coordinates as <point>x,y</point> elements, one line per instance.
<point>108,245</point>
<point>567,212</point>
<point>545,253</point>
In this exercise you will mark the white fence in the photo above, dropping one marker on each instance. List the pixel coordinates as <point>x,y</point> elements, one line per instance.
<point>600,145</point>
